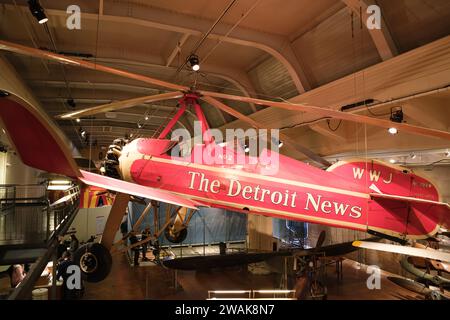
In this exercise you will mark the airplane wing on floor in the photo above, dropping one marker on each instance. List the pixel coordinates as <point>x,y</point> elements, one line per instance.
<point>417,252</point>
<point>135,189</point>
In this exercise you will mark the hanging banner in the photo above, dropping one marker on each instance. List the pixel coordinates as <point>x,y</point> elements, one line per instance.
<point>94,197</point>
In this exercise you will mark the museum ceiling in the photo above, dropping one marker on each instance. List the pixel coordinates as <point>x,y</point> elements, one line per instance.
<point>314,52</point>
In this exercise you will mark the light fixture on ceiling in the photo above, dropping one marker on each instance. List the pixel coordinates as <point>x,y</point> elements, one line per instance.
<point>413,156</point>
<point>447,154</point>
<point>60,185</point>
<point>392,161</point>
<point>396,116</point>
<point>393,130</point>
<point>146,117</point>
<point>37,11</point>
<point>71,103</point>
<point>83,133</point>
<point>194,62</point>
<point>139,125</point>
<point>246,148</point>
<point>78,120</point>
<point>280,144</point>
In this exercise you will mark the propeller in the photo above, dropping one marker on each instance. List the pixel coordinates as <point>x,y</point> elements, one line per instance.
<point>24,50</point>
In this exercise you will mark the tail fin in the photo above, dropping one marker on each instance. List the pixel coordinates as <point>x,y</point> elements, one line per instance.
<point>36,138</point>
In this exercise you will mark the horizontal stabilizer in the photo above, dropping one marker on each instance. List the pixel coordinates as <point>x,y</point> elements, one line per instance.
<point>134,189</point>
<point>407,199</point>
<point>416,252</point>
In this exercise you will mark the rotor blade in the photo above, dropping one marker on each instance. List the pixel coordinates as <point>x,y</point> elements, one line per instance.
<point>12,47</point>
<point>326,112</point>
<point>120,105</point>
<point>33,52</point>
<point>293,144</point>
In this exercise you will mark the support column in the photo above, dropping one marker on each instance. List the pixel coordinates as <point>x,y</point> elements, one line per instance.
<point>114,219</point>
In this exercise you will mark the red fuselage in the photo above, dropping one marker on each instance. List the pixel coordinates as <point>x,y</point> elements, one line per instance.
<point>338,197</point>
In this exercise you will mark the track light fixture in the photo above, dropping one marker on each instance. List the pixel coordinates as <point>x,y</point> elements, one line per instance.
<point>280,144</point>
<point>194,62</point>
<point>37,11</point>
<point>396,116</point>
<point>71,103</point>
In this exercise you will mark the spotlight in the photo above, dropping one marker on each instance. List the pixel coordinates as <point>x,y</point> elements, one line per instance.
<point>37,11</point>
<point>392,161</point>
<point>194,62</point>
<point>146,118</point>
<point>246,148</point>
<point>78,120</point>
<point>71,103</point>
<point>397,116</point>
<point>139,125</point>
<point>413,156</point>
<point>393,130</point>
<point>280,144</point>
<point>3,94</point>
<point>447,154</point>
<point>82,133</point>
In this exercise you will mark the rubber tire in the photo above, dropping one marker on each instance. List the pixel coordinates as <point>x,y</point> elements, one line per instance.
<point>104,261</point>
<point>177,239</point>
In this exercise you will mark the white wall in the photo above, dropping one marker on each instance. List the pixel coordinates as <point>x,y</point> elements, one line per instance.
<point>12,169</point>
<point>85,221</point>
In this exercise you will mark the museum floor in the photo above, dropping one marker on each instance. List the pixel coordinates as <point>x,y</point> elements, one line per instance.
<point>154,282</point>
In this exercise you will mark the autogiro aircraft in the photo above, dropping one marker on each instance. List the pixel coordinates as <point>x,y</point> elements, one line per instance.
<point>360,194</point>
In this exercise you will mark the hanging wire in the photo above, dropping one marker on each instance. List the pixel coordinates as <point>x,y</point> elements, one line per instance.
<point>337,127</point>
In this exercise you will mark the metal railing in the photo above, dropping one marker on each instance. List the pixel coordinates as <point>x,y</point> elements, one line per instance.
<point>27,217</point>
<point>62,213</point>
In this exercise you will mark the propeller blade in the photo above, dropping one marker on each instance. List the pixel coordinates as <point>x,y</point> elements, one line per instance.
<point>33,52</point>
<point>291,143</point>
<point>326,112</point>
<point>120,105</point>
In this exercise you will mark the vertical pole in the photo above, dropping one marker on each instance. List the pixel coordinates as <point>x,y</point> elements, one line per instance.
<point>176,280</point>
<point>48,223</point>
<point>204,234</point>
<point>115,217</point>
<point>146,284</point>
<point>55,262</point>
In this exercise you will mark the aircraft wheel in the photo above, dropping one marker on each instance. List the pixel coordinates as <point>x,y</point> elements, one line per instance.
<point>94,261</point>
<point>175,237</point>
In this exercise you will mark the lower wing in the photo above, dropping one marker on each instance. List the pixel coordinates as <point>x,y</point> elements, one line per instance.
<point>135,189</point>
